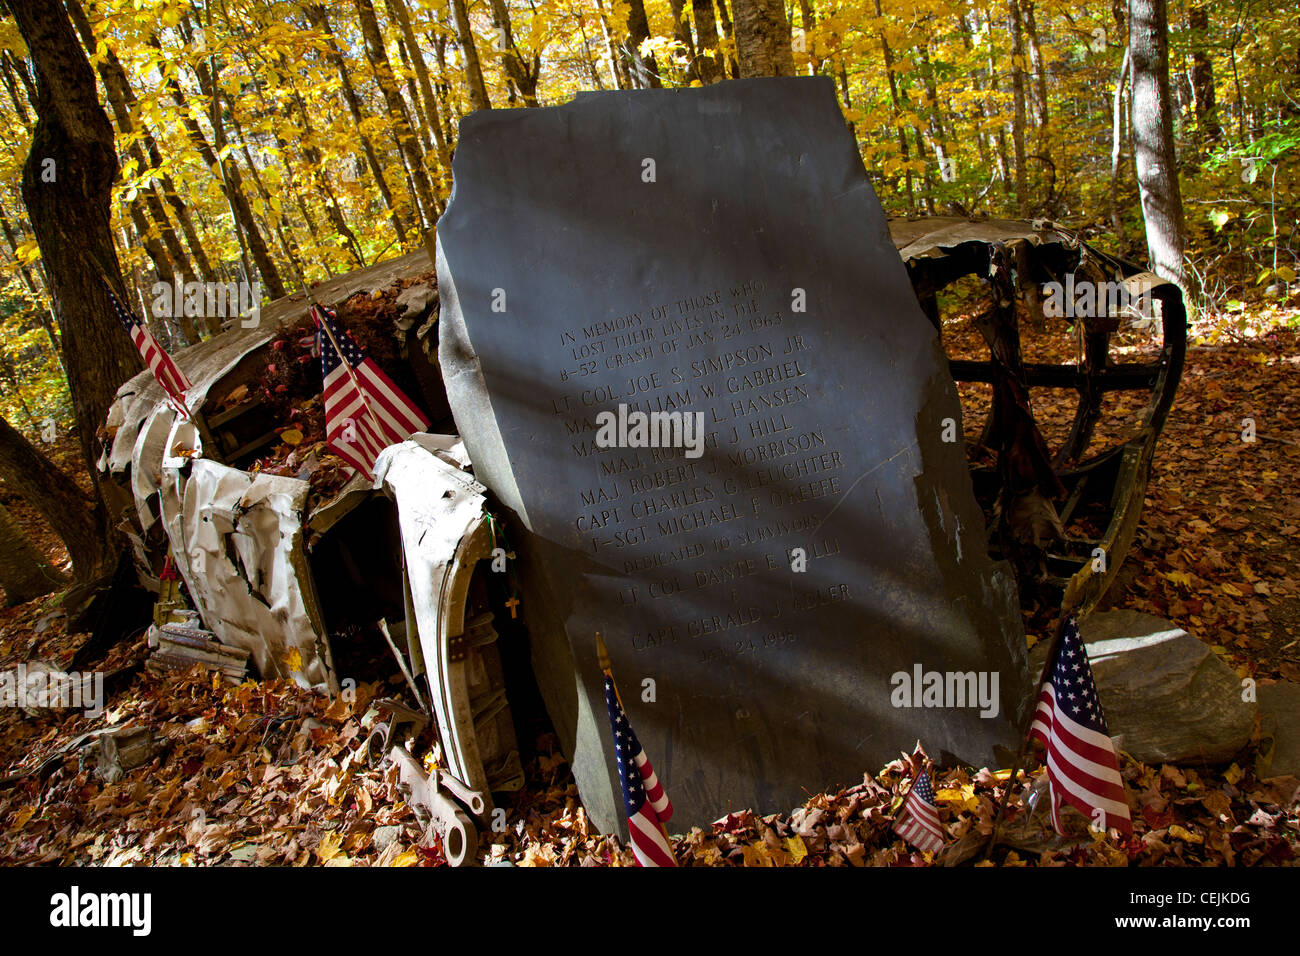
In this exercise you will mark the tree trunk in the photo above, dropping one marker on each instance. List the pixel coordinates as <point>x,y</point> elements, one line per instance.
<point>25,575</point>
<point>398,12</point>
<point>1117,150</point>
<point>617,67</point>
<point>643,69</point>
<point>121,100</point>
<point>20,107</point>
<point>682,31</point>
<point>1038,68</point>
<point>520,73</point>
<point>708,66</point>
<point>1207,117</point>
<point>72,144</point>
<point>733,68</point>
<point>29,280</point>
<point>383,70</point>
<point>903,151</point>
<point>319,20</point>
<point>74,516</point>
<point>1153,138</point>
<point>1018,100</point>
<point>937,131</point>
<point>232,186</point>
<point>763,38</point>
<point>478,95</point>
<point>808,23</point>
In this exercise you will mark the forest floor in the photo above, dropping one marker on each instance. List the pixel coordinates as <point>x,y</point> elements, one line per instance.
<point>267,773</point>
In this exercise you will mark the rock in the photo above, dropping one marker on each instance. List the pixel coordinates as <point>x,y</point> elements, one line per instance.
<point>1166,693</point>
<point>383,837</point>
<point>1279,720</point>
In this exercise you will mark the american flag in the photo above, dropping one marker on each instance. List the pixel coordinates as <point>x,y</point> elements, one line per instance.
<point>171,378</point>
<point>643,795</point>
<point>918,819</point>
<point>364,411</point>
<point>1082,768</point>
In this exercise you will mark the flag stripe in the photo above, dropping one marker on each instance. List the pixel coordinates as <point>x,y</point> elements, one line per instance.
<point>658,799</point>
<point>644,800</point>
<point>648,843</point>
<point>1098,776</point>
<point>156,359</point>
<point>357,391</point>
<point>918,818</point>
<point>1082,767</point>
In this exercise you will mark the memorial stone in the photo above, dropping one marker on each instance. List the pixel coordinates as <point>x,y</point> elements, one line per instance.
<point>799,589</point>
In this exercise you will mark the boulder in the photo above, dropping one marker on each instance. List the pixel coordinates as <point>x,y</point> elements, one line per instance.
<point>1279,713</point>
<point>1170,697</point>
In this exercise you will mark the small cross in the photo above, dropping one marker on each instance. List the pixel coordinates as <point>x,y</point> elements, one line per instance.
<point>513,603</point>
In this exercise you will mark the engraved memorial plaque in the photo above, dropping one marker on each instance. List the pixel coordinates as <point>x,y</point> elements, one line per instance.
<point>763,565</point>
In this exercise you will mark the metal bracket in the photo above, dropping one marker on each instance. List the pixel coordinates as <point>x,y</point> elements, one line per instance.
<point>445,816</point>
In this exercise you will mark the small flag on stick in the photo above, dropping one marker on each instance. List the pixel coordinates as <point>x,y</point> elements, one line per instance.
<point>1082,768</point>
<point>918,819</point>
<point>364,411</point>
<point>171,378</point>
<point>643,795</point>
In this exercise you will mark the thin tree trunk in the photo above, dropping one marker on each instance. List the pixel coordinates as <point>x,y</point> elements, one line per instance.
<point>450,108</point>
<point>232,186</point>
<point>1153,138</point>
<point>733,68</point>
<point>421,124</point>
<point>708,65</point>
<point>643,69</point>
<point>8,73</point>
<point>617,67</point>
<point>19,68</point>
<point>1000,139</point>
<point>396,109</point>
<point>1038,68</point>
<point>808,23</point>
<point>1117,149</point>
<point>896,106</point>
<point>401,15</point>
<point>521,74</point>
<point>763,38</point>
<point>682,31</point>
<point>937,132</point>
<point>478,95</point>
<point>1018,99</point>
<point>1208,129</point>
<point>319,20</point>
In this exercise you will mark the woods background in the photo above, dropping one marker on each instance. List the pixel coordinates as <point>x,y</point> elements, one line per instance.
<point>326,133</point>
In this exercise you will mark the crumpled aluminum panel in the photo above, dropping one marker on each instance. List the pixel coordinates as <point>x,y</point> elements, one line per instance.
<point>237,540</point>
<point>933,236</point>
<point>444,533</point>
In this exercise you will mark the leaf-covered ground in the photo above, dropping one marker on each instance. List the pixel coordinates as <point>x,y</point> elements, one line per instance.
<point>267,773</point>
